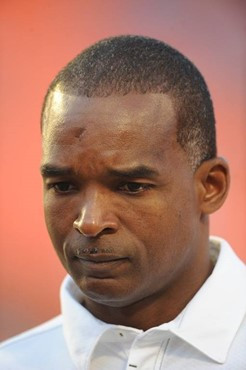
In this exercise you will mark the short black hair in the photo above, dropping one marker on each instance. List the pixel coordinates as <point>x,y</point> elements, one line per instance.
<point>124,64</point>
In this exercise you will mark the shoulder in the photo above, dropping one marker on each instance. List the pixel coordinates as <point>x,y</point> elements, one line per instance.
<point>42,347</point>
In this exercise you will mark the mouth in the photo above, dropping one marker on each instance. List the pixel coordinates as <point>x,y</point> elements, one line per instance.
<point>101,259</point>
<point>102,266</point>
<point>98,262</point>
<point>97,255</point>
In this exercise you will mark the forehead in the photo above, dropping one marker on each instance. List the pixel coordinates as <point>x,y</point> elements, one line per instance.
<point>144,123</point>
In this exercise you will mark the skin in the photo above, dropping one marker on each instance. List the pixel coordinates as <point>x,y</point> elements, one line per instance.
<point>125,212</point>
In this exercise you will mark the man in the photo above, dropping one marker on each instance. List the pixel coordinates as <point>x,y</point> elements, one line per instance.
<point>131,176</point>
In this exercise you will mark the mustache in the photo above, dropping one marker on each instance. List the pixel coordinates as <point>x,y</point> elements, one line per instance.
<point>79,252</point>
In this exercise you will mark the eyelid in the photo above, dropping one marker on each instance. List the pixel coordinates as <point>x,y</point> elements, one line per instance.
<point>145,187</point>
<point>123,186</point>
<point>53,185</point>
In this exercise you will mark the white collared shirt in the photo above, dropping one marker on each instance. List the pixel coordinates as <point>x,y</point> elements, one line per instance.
<point>210,333</point>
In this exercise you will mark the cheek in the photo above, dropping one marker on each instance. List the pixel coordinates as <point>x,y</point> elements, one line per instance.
<point>163,227</point>
<point>151,229</point>
<point>153,221</point>
<point>59,219</point>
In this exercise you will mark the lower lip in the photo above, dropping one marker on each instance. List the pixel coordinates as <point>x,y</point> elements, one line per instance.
<point>102,267</point>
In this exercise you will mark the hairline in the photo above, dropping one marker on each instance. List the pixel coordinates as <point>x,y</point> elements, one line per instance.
<point>181,97</point>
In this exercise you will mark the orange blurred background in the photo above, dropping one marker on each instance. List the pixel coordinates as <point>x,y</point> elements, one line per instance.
<point>41,36</point>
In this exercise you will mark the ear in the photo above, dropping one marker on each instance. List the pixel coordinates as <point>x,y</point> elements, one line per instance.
<point>212,181</point>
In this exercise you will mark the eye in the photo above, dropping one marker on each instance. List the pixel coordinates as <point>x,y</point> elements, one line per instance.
<point>134,187</point>
<point>63,187</point>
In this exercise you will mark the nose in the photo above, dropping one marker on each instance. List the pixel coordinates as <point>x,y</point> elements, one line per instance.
<point>95,216</point>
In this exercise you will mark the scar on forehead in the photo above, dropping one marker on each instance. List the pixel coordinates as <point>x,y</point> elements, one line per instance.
<point>79,133</point>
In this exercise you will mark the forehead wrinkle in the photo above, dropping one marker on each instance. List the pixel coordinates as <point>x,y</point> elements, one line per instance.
<point>110,151</point>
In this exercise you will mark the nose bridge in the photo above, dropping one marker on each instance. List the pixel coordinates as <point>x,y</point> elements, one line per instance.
<point>95,215</point>
<point>92,204</point>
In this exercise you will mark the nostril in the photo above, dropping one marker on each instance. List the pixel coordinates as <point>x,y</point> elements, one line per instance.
<point>92,230</point>
<point>108,230</point>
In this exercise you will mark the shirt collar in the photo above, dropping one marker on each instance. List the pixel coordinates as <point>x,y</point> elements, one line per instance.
<point>207,323</point>
<point>213,316</point>
<point>81,329</point>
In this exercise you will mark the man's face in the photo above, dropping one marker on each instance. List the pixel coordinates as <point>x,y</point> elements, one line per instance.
<point>119,196</point>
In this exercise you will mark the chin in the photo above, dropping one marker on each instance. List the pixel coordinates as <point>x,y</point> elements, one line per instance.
<point>105,292</point>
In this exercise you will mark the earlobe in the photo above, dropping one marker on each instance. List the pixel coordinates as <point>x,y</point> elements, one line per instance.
<point>213,181</point>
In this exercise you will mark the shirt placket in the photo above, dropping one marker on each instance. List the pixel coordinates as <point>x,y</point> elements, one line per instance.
<point>148,350</point>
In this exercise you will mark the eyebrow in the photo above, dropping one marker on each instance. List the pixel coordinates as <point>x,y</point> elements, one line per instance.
<point>135,172</point>
<point>53,171</point>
